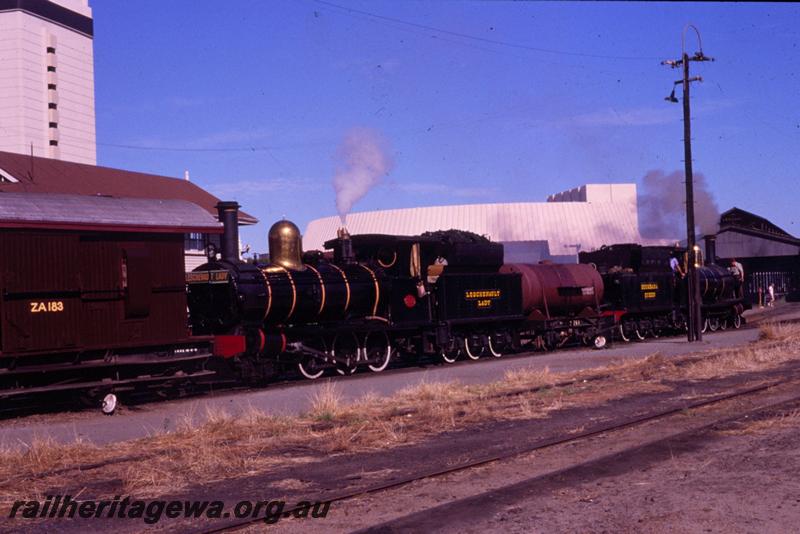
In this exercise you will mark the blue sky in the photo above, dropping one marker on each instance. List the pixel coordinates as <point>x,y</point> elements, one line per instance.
<point>475,101</point>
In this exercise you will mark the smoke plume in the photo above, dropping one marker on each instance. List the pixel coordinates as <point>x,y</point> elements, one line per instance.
<point>362,159</point>
<point>662,206</point>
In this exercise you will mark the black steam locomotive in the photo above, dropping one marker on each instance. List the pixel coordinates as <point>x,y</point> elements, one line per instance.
<point>647,298</point>
<point>444,293</point>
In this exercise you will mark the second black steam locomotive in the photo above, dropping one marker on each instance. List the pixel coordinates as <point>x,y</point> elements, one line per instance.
<point>648,298</point>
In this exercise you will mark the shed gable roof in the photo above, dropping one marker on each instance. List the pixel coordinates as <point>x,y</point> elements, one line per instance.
<point>43,175</point>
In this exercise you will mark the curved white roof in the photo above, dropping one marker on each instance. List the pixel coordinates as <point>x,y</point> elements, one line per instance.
<point>562,224</point>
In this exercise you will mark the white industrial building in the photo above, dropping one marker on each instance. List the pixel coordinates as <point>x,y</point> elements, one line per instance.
<point>47,79</point>
<point>581,219</point>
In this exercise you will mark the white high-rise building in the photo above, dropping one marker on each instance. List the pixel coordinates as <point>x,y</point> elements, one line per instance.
<point>47,79</point>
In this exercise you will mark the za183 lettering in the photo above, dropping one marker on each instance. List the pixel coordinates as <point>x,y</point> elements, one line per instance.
<point>52,306</point>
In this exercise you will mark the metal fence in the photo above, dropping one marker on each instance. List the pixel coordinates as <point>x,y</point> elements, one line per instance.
<point>784,282</point>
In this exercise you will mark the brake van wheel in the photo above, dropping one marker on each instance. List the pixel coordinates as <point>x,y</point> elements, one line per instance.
<point>109,404</point>
<point>599,342</point>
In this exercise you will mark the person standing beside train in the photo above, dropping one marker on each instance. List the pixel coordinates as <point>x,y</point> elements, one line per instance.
<point>675,265</point>
<point>737,271</point>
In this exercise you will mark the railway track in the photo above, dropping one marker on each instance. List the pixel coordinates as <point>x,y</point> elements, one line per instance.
<point>224,382</point>
<point>603,429</point>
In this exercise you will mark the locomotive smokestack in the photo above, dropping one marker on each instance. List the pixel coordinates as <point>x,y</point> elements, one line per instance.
<point>344,251</point>
<point>711,249</point>
<point>229,217</point>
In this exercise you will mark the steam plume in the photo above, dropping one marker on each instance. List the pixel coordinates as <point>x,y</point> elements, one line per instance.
<point>362,158</point>
<point>662,206</point>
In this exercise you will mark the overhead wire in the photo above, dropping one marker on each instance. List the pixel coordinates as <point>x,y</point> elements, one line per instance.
<point>498,42</point>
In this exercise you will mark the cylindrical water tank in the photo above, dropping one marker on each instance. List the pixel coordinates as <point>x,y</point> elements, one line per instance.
<point>557,289</point>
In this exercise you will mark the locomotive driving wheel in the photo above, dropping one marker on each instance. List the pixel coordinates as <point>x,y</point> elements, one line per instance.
<point>310,366</point>
<point>713,323</point>
<point>737,321</point>
<point>378,351</point>
<point>346,351</point>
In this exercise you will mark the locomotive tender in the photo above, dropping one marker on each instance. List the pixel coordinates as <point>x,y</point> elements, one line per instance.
<point>372,296</point>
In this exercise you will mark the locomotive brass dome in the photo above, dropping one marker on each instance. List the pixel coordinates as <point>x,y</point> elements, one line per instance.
<point>286,245</point>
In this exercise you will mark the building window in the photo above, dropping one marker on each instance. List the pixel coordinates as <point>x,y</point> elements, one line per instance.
<point>52,105</point>
<point>194,241</point>
<point>51,68</point>
<point>51,49</point>
<point>53,142</point>
<point>53,125</point>
<point>51,86</point>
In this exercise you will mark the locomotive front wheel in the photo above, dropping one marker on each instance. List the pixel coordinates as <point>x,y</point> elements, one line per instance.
<point>473,346</point>
<point>705,326</point>
<point>346,350</point>
<point>378,351</point>
<point>713,324</point>
<point>723,323</point>
<point>310,368</point>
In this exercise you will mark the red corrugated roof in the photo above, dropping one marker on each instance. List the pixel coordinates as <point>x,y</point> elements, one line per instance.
<point>43,175</point>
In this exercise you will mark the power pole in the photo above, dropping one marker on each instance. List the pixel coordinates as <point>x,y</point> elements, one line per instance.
<point>694,301</point>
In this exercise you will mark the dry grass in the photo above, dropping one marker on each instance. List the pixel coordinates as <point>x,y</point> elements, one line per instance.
<point>217,445</point>
<point>326,402</point>
<point>783,420</point>
<point>529,377</point>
